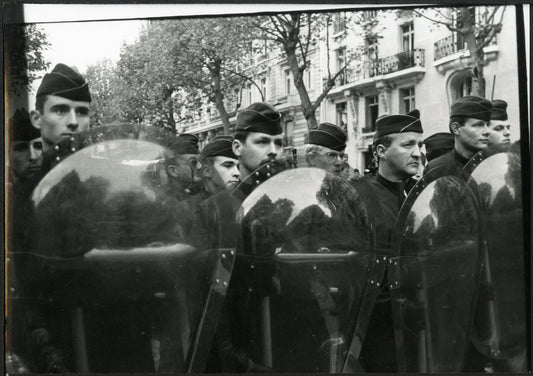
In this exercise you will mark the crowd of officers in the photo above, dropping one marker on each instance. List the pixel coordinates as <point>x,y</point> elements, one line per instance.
<point>62,109</point>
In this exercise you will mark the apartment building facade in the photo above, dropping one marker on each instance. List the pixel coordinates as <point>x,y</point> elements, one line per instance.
<point>415,63</point>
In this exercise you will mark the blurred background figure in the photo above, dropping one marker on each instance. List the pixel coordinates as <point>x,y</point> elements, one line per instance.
<point>25,147</point>
<point>220,166</point>
<point>438,144</point>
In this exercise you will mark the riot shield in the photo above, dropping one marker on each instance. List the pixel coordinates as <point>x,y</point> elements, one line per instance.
<point>117,281</point>
<point>499,329</point>
<point>434,278</point>
<point>304,266</point>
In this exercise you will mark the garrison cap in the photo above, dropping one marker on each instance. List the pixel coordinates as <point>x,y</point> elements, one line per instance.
<point>220,146</point>
<point>472,107</point>
<point>65,82</point>
<point>438,144</point>
<point>499,110</point>
<point>186,143</point>
<point>21,127</point>
<point>390,124</point>
<point>328,135</point>
<point>259,117</point>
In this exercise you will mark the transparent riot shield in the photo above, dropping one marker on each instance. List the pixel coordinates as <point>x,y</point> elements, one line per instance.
<point>304,266</point>
<point>434,278</point>
<point>499,329</point>
<point>111,274</point>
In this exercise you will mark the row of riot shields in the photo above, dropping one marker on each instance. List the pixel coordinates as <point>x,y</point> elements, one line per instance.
<point>279,274</point>
<point>458,280</point>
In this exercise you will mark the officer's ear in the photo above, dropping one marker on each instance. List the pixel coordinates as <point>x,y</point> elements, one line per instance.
<point>310,157</point>
<point>206,171</point>
<point>35,117</point>
<point>236,146</point>
<point>172,170</point>
<point>380,151</point>
<point>454,128</point>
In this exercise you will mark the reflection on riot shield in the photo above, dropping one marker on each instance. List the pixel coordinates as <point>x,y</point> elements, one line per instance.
<point>499,329</point>
<point>121,286</point>
<point>302,271</point>
<point>434,278</point>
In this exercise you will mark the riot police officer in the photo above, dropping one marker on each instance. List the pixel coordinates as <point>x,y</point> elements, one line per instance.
<point>499,126</point>
<point>469,117</point>
<point>326,148</point>
<point>397,143</point>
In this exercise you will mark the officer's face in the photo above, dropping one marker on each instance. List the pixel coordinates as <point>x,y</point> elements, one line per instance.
<point>500,132</point>
<point>185,168</point>
<point>226,172</point>
<point>256,150</point>
<point>329,160</point>
<point>26,157</point>
<point>402,158</point>
<point>474,135</point>
<point>61,117</point>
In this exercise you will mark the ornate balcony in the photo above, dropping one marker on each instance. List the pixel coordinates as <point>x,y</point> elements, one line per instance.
<point>398,62</point>
<point>452,53</point>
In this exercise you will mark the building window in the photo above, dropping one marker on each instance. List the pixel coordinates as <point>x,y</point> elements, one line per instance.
<point>342,115</point>
<point>307,78</point>
<point>461,84</point>
<point>288,134</point>
<point>407,99</point>
<point>341,63</point>
<point>408,37</point>
<point>250,94</point>
<point>339,22</point>
<point>370,14</point>
<point>372,111</point>
<point>264,88</point>
<point>287,81</point>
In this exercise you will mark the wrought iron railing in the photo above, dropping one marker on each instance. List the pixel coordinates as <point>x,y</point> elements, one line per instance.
<point>450,45</point>
<point>398,62</point>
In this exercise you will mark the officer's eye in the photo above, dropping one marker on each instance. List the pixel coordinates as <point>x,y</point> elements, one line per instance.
<point>278,143</point>
<point>37,145</point>
<point>82,111</point>
<point>60,109</point>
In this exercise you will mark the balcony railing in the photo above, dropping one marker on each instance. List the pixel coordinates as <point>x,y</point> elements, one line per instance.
<point>398,62</point>
<point>450,45</point>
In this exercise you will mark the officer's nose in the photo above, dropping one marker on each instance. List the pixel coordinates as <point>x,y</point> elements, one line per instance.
<point>486,130</point>
<point>507,132</point>
<point>417,151</point>
<point>235,172</point>
<point>72,120</point>
<point>273,150</point>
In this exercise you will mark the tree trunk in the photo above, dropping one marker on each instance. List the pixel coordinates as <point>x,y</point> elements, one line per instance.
<point>219,96</point>
<point>308,108</point>
<point>476,54</point>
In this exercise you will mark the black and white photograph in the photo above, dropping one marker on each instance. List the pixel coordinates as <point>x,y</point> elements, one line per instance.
<point>267,188</point>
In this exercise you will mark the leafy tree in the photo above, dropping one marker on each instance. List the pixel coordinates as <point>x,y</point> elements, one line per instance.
<point>101,80</point>
<point>24,46</point>
<point>298,35</point>
<point>478,26</point>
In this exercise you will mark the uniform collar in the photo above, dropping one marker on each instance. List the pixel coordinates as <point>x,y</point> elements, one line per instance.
<point>459,158</point>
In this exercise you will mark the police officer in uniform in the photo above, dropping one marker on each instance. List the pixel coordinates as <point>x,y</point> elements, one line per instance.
<point>499,126</point>
<point>62,105</point>
<point>257,140</point>
<point>220,166</point>
<point>397,144</point>
<point>469,117</point>
<point>183,167</point>
<point>438,144</point>
<point>326,148</point>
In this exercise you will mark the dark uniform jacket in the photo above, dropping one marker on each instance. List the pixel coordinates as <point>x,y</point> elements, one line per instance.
<point>451,160</point>
<point>383,200</point>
